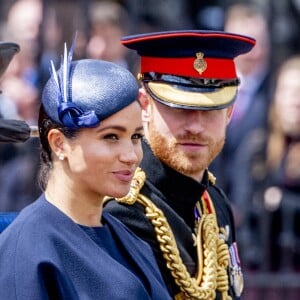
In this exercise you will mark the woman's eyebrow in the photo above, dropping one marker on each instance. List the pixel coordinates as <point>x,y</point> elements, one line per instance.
<point>117,127</point>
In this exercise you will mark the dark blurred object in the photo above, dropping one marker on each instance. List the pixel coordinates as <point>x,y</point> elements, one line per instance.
<point>6,218</point>
<point>7,51</point>
<point>16,131</point>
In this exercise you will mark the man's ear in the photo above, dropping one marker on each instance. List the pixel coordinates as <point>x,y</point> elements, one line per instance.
<point>143,98</point>
<point>145,104</point>
<point>229,114</point>
<point>56,142</point>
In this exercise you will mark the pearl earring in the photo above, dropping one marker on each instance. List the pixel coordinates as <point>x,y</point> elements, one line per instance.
<point>61,156</point>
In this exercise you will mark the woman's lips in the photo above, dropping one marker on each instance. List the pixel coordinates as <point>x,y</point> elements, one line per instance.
<point>124,175</point>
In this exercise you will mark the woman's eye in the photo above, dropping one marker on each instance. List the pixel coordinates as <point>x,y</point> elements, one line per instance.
<point>137,136</point>
<point>111,137</point>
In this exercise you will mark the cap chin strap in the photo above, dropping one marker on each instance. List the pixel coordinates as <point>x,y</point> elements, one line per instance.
<point>212,251</point>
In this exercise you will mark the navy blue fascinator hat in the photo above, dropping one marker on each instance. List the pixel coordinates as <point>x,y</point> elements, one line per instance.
<point>83,93</point>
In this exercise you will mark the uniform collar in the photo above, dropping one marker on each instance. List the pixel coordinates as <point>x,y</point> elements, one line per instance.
<point>179,191</point>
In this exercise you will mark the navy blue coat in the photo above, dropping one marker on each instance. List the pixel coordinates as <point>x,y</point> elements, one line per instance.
<point>45,255</point>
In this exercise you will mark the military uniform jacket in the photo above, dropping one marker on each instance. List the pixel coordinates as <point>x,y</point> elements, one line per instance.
<point>45,255</point>
<point>176,195</point>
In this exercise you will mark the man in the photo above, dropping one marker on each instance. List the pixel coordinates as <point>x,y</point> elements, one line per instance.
<point>189,87</point>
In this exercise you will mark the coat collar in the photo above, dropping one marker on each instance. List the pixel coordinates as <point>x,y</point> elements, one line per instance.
<point>179,191</point>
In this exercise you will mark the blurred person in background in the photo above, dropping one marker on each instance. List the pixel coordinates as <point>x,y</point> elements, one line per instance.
<point>153,15</point>
<point>7,52</point>
<point>61,20</point>
<point>269,177</point>
<point>280,196</point>
<point>23,23</point>
<point>109,21</point>
<point>21,82</point>
<point>250,113</point>
<point>21,92</point>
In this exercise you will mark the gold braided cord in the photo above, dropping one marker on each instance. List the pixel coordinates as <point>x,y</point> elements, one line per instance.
<point>212,252</point>
<point>168,246</point>
<point>222,277</point>
<point>222,255</point>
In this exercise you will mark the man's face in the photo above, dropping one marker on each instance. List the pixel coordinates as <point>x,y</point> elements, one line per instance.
<point>186,140</point>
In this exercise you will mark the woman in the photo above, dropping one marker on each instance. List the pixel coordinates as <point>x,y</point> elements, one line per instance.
<point>62,246</point>
<point>281,192</point>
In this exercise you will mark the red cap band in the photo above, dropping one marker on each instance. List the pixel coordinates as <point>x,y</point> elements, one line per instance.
<point>216,67</point>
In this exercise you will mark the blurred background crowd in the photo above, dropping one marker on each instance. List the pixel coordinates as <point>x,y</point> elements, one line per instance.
<point>259,167</point>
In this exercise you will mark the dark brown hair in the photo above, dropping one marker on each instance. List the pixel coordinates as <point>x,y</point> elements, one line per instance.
<point>45,124</point>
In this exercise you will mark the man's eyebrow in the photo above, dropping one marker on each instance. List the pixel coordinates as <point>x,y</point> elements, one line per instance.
<point>140,128</point>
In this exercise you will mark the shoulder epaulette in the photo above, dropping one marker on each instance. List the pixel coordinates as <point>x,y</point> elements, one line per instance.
<point>211,177</point>
<point>135,187</point>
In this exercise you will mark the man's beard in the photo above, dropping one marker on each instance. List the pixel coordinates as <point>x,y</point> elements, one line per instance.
<point>188,164</point>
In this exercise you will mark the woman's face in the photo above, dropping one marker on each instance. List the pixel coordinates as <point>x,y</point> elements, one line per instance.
<point>102,160</point>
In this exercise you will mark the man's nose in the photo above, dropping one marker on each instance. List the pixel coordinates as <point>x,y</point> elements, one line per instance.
<point>194,121</point>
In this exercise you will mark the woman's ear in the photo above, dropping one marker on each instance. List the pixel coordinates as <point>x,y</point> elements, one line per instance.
<point>145,104</point>
<point>56,142</point>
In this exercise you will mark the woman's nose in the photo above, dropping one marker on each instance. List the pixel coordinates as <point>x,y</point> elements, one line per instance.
<point>129,155</point>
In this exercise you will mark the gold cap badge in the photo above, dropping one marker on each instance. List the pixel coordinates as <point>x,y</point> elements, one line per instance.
<point>200,64</point>
<point>140,76</point>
